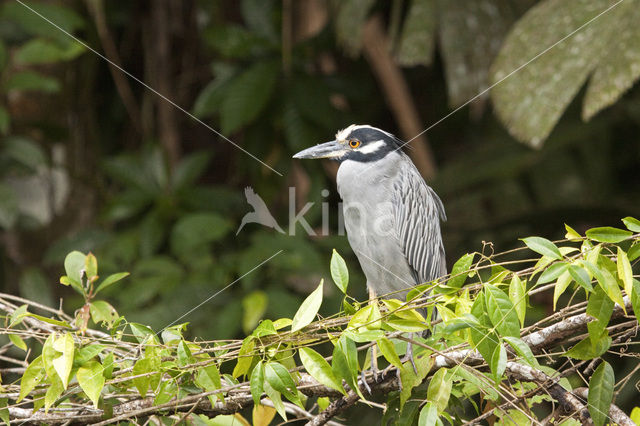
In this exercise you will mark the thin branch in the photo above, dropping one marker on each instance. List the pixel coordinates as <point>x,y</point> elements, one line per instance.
<point>616,414</point>
<point>335,408</point>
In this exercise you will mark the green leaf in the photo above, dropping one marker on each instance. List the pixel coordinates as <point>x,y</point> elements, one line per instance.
<point>26,152</point>
<point>64,17</point>
<point>339,271</point>
<point>275,397</point>
<point>43,51</point>
<point>608,234</point>
<point>345,362</point>
<point>601,393</point>
<point>631,223</point>
<point>561,285</point>
<point>585,350</point>
<point>498,362</point>
<point>18,315</point>
<point>141,331</point>
<point>254,306</point>
<point>440,389</point>
<point>49,320</point>
<point>256,382</point>
<point>91,380</point>
<point>279,379</point>
<point>543,246</point>
<point>74,265</point>
<point>501,312</point>
<point>635,299</point>
<point>466,51</point>
<point>108,364</point>
<point>552,272</point>
<point>599,307</point>
<point>612,289</point>
<point>388,350</point>
<point>266,328</point>
<point>581,277</point>
<point>624,270</point>
<point>618,67</point>
<point>320,369</point>
<point>409,326</point>
<point>522,349</point>
<point>184,354</point>
<point>32,81</point>
<point>323,403</point>
<point>18,342</point>
<point>190,169</point>
<point>607,282</point>
<point>481,383</point>
<point>64,362</point>
<point>103,312</point>
<point>166,391</point>
<point>247,95</point>
<point>210,99</point>
<point>308,309</point>
<point>364,335</point>
<point>410,379</point>
<point>110,280</point>
<point>530,99</point>
<point>417,41</point>
<point>349,23</point>
<point>484,341</point>
<point>634,252</point>
<point>572,234</point>
<point>459,270</point>
<point>399,310</point>
<point>245,357</point>
<point>4,411</point>
<point>90,266</point>
<point>54,391</point>
<point>142,366</point>
<point>31,377</point>
<point>85,354</point>
<point>193,232</point>
<point>428,415</point>
<point>365,318</point>
<point>208,378</point>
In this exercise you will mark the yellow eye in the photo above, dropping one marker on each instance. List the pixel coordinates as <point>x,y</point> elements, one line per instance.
<point>354,143</point>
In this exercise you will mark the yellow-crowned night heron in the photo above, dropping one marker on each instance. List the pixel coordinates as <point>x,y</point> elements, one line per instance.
<point>392,217</point>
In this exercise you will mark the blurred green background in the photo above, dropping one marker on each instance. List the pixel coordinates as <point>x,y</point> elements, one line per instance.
<point>93,161</point>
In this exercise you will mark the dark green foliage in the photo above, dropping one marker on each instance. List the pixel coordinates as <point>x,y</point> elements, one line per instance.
<point>94,163</point>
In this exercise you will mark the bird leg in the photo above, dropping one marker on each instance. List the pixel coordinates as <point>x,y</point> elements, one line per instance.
<point>374,353</point>
<point>408,355</point>
<point>374,349</point>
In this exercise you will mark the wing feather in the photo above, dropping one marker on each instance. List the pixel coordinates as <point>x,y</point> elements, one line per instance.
<point>418,212</point>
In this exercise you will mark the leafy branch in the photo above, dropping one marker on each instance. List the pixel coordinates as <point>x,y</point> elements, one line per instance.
<point>487,355</point>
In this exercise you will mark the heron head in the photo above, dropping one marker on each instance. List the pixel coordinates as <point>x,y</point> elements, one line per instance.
<point>357,142</point>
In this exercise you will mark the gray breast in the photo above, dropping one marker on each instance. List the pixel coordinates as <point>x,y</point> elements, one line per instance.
<point>369,193</point>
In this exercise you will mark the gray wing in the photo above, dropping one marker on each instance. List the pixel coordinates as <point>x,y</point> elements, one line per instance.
<point>418,211</point>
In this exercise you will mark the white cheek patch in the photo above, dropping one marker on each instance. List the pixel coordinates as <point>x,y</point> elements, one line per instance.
<point>337,154</point>
<point>372,147</point>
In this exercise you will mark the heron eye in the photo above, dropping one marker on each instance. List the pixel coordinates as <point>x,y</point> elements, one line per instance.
<point>354,143</point>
